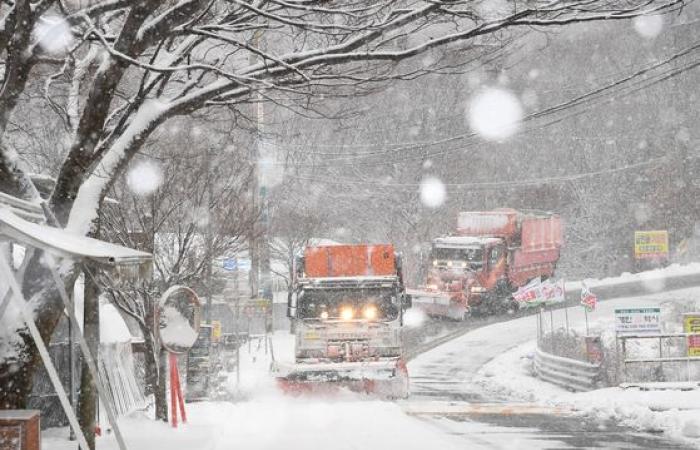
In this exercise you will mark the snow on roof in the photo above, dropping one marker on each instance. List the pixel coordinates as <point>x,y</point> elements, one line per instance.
<point>65,244</point>
<point>464,241</point>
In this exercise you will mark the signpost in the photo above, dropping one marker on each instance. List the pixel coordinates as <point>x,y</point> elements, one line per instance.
<point>641,320</point>
<point>691,324</point>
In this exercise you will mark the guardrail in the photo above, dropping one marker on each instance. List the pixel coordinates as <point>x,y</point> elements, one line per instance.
<point>566,372</point>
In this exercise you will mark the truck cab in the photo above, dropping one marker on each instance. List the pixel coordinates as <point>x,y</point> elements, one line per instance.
<point>467,267</point>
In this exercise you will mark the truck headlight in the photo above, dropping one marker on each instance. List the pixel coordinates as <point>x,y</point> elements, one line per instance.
<point>369,312</point>
<point>478,289</point>
<point>347,313</point>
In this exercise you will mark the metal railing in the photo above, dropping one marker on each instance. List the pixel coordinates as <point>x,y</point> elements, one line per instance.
<point>661,359</point>
<point>566,372</point>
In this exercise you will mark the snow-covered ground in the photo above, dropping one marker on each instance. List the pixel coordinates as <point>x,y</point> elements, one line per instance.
<point>674,412</point>
<point>264,418</point>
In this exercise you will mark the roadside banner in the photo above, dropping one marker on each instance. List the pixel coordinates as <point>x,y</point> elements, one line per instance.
<point>538,292</point>
<point>651,244</point>
<point>553,291</point>
<point>530,294</point>
<point>691,324</point>
<point>588,299</point>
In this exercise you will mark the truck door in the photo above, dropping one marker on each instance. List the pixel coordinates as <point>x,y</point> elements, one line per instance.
<point>495,259</point>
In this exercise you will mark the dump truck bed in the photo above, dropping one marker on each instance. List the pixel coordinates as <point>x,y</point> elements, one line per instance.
<point>349,261</point>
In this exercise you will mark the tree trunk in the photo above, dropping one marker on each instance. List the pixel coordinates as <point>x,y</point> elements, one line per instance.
<point>87,412</point>
<point>161,391</point>
<point>17,373</point>
<point>155,383</point>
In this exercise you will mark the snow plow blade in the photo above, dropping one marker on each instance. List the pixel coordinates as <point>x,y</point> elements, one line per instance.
<point>386,379</point>
<point>437,304</point>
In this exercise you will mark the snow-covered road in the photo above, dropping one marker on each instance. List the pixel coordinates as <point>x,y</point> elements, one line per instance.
<point>446,409</point>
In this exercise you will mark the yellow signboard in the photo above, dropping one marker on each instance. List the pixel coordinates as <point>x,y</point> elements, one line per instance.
<point>216,330</point>
<point>651,244</point>
<point>691,324</point>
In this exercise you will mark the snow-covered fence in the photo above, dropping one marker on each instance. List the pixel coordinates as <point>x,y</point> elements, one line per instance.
<point>566,372</point>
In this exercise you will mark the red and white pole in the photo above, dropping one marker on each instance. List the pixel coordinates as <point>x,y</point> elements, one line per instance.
<point>176,397</point>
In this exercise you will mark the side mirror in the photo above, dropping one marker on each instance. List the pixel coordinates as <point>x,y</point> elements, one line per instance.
<point>407,301</point>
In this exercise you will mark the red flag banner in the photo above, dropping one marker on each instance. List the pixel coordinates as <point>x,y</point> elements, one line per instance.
<point>588,299</point>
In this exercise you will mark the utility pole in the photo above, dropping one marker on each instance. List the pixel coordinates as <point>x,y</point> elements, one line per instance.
<point>207,267</point>
<point>208,234</point>
<point>260,250</point>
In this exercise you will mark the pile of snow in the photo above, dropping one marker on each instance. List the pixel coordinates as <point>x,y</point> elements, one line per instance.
<point>653,279</point>
<point>674,412</point>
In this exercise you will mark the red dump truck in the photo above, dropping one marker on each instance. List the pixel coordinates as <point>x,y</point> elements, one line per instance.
<point>347,313</point>
<point>492,254</point>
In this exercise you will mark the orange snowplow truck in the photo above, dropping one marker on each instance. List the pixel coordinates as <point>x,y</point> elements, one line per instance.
<point>347,311</point>
<point>491,256</point>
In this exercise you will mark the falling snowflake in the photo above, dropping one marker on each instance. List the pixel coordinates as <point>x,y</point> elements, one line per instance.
<point>53,34</point>
<point>413,317</point>
<point>432,192</point>
<point>495,114</point>
<point>144,178</point>
<point>648,26</point>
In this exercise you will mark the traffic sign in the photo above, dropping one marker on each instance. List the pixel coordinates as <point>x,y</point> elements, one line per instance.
<point>638,320</point>
<point>230,264</point>
<point>244,264</point>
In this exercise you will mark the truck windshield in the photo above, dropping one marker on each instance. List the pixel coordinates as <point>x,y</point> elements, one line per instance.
<point>330,303</point>
<point>472,256</point>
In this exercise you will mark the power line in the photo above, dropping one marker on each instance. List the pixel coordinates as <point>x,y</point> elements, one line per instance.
<point>591,99</point>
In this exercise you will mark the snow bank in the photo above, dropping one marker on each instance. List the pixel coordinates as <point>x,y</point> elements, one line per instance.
<point>674,412</point>
<point>654,279</point>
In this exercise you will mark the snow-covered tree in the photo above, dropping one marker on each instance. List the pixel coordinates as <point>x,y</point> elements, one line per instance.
<point>120,69</point>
